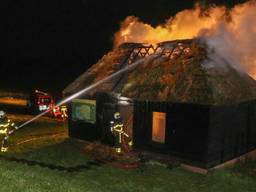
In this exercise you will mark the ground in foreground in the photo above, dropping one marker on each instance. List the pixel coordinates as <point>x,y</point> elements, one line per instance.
<point>43,158</point>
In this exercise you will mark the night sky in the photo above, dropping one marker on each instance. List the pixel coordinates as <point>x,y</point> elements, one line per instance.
<point>47,44</point>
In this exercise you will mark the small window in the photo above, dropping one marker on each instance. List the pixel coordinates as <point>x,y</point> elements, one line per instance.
<point>158,127</point>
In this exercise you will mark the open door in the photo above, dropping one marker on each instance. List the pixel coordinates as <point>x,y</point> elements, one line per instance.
<point>158,127</point>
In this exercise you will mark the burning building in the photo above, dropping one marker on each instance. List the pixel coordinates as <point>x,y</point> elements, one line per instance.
<point>179,100</point>
<point>194,98</point>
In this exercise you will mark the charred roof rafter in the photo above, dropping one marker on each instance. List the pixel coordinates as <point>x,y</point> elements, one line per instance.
<point>141,51</point>
<point>168,49</point>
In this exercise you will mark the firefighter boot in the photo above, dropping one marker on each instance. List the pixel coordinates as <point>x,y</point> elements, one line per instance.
<point>4,147</point>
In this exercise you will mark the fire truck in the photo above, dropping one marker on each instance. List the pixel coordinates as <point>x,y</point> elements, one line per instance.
<point>40,101</point>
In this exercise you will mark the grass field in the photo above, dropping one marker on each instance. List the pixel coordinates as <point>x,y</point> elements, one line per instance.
<point>52,147</point>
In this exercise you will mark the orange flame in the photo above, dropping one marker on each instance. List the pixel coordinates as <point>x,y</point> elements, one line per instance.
<point>231,32</point>
<point>186,24</point>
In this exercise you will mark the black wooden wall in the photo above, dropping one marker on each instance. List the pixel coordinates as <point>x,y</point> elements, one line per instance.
<point>186,129</point>
<point>201,135</point>
<point>232,132</point>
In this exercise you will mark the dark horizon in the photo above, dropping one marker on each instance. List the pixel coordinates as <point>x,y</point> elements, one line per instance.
<point>47,45</point>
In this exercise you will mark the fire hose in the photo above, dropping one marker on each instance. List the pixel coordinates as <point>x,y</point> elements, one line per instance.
<point>13,130</point>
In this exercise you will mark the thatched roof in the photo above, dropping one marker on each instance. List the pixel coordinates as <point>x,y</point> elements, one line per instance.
<point>185,72</point>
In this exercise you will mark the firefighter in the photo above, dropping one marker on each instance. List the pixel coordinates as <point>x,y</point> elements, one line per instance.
<point>5,125</point>
<point>117,129</point>
<point>64,113</point>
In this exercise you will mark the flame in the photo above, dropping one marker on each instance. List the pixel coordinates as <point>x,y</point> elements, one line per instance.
<point>231,32</point>
<point>186,24</point>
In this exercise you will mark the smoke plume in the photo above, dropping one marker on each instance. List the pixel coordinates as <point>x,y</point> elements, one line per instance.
<point>231,33</point>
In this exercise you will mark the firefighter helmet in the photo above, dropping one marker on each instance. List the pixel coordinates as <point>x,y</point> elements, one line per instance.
<point>117,115</point>
<point>2,114</point>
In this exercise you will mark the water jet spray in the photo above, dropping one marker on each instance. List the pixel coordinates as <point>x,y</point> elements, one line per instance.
<point>81,92</point>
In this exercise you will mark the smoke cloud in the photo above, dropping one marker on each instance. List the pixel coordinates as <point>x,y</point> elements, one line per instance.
<point>231,33</point>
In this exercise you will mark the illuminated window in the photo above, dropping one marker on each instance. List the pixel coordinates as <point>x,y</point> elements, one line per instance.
<point>84,110</point>
<point>158,127</point>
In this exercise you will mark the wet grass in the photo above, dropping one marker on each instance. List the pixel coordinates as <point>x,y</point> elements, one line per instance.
<point>105,178</point>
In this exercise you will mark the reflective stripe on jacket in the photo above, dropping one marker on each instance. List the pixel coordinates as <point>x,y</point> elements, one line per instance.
<point>3,131</point>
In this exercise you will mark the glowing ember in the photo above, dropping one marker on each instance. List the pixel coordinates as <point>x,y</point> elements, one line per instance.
<point>231,32</point>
